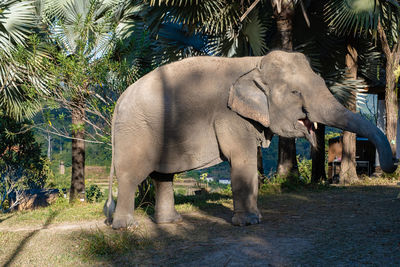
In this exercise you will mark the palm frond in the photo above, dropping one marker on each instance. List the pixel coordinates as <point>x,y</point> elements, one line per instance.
<point>370,63</point>
<point>53,10</point>
<point>207,27</point>
<point>16,22</point>
<point>84,26</point>
<point>209,16</point>
<point>355,17</point>
<point>255,32</point>
<point>22,68</point>
<point>344,90</point>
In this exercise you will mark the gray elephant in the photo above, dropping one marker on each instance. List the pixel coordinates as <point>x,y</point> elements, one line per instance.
<point>200,111</point>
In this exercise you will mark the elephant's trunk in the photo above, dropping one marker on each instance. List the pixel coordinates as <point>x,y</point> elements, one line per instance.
<point>333,114</point>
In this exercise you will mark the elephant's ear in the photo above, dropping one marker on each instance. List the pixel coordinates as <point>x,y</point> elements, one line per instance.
<point>247,97</point>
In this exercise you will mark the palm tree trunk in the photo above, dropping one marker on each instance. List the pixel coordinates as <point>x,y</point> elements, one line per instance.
<point>391,100</point>
<point>77,190</point>
<point>318,156</point>
<point>287,163</point>
<point>348,172</point>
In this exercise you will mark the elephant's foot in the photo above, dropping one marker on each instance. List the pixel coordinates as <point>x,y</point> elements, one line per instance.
<point>124,221</point>
<point>245,218</point>
<point>170,217</point>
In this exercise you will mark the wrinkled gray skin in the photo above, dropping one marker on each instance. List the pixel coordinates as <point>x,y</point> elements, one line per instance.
<point>201,111</point>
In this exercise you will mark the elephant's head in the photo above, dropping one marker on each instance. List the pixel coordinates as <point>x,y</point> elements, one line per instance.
<point>285,95</point>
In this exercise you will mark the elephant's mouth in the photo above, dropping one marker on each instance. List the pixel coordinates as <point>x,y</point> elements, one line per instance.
<point>309,130</point>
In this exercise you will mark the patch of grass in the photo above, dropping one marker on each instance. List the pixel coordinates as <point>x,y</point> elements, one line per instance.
<point>180,190</point>
<point>270,189</point>
<point>383,180</point>
<point>202,201</point>
<point>391,176</point>
<point>192,203</point>
<point>147,209</point>
<point>9,240</point>
<point>104,244</point>
<point>293,183</point>
<point>65,213</point>
<point>186,207</point>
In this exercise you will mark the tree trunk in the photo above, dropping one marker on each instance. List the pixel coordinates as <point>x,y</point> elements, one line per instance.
<point>287,162</point>
<point>318,173</point>
<point>381,124</point>
<point>285,27</point>
<point>391,101</point>
<point>77,190</point>
<point>348,172</point>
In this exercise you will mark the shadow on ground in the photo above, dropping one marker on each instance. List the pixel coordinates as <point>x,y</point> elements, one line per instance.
<point>20,248</point>
<point>6,217</point>
<point>210,203</point>
<point>339,226</point>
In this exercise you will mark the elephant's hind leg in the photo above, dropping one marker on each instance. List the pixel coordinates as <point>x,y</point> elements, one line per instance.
<point>165,204</point>
<point>123,217</point>
<point>129,177</point>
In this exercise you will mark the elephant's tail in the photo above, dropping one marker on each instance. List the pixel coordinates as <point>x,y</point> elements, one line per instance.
<point>109,206</point>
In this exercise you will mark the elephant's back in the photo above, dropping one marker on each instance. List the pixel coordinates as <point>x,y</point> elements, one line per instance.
<point>193,78</point>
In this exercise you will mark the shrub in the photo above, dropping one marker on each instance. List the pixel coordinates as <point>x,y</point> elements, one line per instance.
<point>94,194</point>
<point>305,169</point>
<point>227,190</point>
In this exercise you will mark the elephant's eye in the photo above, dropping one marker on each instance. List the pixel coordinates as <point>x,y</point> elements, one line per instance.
<point>295,92</point>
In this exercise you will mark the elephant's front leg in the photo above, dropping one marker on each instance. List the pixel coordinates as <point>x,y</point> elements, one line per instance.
<point>165,204</point>
<point>244,181</point>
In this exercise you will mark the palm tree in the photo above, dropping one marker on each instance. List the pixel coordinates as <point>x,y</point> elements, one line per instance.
<point>284,11</point>
<point>83,32</point>
<point>22,73</point>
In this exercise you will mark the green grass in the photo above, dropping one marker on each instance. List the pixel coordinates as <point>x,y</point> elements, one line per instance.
<point>103,244</point>
<point>202,202</point>
<point>60,211</point>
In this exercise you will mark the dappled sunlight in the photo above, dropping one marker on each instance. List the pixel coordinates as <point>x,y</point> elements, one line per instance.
<point>205,236</point>
<point>4,217</point>
<point>98,243</point>
<point>66,213</point>
<point>21,246</point>
<point>299,197</point>
<point>186,207</point>
<point>295,228</point>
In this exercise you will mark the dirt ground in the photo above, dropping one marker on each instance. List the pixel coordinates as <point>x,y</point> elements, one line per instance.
<point>351,226</point>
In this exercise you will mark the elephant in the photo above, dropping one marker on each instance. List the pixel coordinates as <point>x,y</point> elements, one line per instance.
<point>200,111</point>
